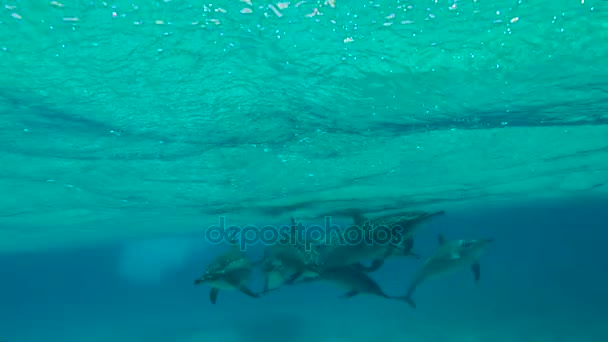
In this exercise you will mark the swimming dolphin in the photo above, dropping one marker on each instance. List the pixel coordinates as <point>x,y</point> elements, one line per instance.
<point>285,263</point>
<point>409,223</point>
<point>229,271</point>
<point>354,281</point>
<point>341,254</point>
<point>450,256</point>
<point>289,261</point>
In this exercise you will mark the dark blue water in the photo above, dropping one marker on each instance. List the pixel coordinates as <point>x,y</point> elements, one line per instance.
<point>545,279</point>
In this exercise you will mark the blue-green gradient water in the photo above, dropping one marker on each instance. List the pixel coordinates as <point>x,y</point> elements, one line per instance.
<point>128,127</point>
<point>544,280</point>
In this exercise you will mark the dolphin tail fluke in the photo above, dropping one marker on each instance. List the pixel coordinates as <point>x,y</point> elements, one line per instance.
<point>267,291</point>
<point>410,292</point>
<point>410,301</point>
<point>427,216</point>
<point>406,299</point>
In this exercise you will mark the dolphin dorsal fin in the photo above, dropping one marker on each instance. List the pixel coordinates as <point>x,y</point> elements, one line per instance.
<point>441,239</point>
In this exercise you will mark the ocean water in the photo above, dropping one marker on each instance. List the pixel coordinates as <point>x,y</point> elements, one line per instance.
<point>127,128</point>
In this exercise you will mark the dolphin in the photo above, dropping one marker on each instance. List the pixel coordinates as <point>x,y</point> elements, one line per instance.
<point>290,261</point>
<point>408,223</point>
<point>450,256</point>
<point>289,264</point>
<point>354,281</point>
<point>229,271</point>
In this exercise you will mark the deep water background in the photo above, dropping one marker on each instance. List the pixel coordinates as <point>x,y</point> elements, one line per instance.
<point>544,280</point>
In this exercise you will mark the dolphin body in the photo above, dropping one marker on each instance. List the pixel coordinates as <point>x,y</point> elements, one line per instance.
<point>288,264</point>
<point>342,254</point>
<point>449,257</point>
<point>354,281</point>
<point>229,271</point>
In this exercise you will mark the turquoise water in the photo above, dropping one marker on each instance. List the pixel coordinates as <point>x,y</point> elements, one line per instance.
<point>544,280</point>
<point>128,127</point>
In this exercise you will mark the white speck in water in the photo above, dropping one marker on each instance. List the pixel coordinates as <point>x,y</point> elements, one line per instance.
<point>310,175</point>
<point>26,130</point>
<point>265,150</point>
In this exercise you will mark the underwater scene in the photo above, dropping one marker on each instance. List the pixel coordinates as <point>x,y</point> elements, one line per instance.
<point>322,170</point>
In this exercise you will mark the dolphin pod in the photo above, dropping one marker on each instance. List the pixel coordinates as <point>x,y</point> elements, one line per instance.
<point>289,263</point>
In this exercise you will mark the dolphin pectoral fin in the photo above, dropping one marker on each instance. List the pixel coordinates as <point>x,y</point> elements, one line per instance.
<point>244,289</point>
<point>266,281</point>
<point>441,239</point>
<point>407,246</point>
<point>414,255</point>
<point>476,268</point>
<point>213,294</point>
<point>350,294</point>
